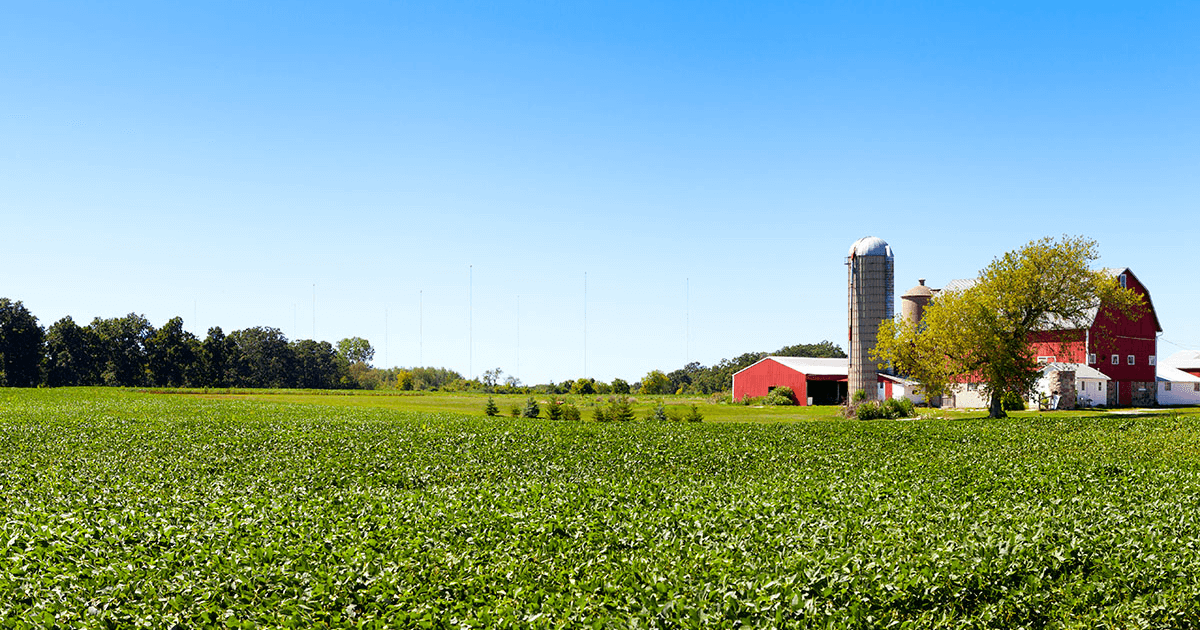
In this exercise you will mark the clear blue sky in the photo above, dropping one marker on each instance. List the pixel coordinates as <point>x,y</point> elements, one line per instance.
<point>423,167</point>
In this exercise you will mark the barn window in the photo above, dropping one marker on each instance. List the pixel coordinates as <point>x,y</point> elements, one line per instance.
<point>1152,359</point>
<point>1116,358</point>
<point>1122,280</point>
<point>1130,359</point>
<point>1167,386</point>
<point>1092,358</point>
<point>1196,387</point>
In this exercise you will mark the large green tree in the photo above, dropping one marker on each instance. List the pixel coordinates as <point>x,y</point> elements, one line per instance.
<point>219,360</point>
<point>317,364</point>
<point>70,355</point>
<point>983,333</point>
<point>355,350</point>
<point>121,349</point>
<point>20,345</point>
<point>171,355</point>
<point>268,359</point>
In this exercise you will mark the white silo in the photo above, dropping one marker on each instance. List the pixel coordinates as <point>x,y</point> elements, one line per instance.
<point>871,288</point>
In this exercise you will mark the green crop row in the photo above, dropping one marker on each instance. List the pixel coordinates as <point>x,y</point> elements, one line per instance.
<point>134,510</point>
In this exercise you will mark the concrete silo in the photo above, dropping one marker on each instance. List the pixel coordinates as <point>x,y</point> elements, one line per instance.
<point>914,301</point>
<point>872,299</point>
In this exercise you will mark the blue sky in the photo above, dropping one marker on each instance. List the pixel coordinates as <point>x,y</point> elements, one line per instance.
<point>442,176</point>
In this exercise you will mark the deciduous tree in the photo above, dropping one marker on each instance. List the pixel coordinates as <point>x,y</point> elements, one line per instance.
<point>171,355</point>
<point>656,383</point>
<point>984,332</point>
<point>356,350</point>
<point>70,355</point>
<point>20,345</point>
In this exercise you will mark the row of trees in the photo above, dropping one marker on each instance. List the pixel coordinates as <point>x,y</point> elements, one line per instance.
<point>129,351</point>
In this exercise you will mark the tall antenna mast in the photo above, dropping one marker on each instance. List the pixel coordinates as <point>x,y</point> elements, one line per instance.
<point>585,324</point>
<point>471,323</point>
<point>518,338</point>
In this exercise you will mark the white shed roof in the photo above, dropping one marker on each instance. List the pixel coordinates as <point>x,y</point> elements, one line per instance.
<point>1182,359</point>
<point>1175,375</point>
<point>809,365</point>
<point>1081,370</point>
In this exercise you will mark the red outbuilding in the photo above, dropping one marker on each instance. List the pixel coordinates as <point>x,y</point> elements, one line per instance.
<point>813,381</point>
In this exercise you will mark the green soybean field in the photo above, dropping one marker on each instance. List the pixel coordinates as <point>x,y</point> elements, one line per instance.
<point>130,510</point>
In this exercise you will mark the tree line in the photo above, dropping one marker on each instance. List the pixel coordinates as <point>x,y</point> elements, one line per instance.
<point>130,352</point>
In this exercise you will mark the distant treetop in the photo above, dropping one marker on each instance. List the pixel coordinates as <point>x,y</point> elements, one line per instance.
<point>823,350</point>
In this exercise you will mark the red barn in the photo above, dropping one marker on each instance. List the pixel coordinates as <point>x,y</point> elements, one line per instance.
<point>822,380</point>
<point>1123,348</point>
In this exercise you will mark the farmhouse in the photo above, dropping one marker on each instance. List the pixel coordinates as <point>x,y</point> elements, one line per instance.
<point>814,381</point>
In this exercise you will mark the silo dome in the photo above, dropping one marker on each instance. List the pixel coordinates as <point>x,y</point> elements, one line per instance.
<point>871,246</point>
<point>919,291</point>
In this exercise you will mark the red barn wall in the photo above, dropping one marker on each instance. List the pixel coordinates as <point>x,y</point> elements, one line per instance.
<point>757,380</point>
<point>1066,346</point>
<point>1114,333</point>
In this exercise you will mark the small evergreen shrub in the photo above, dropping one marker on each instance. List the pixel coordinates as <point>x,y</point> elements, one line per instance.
<point>490,409</point>
<point>531,409</point>
<point>554,410</point>
<point>515,411</point>
<point>570,412</point>
<point>659,414</point>
<point>694,415</point>
<point>620,410</point>
<point>600,414</point>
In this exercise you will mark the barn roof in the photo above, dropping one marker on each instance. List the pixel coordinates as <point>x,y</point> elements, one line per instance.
<point>898,379</point>
<point>807,365</point>
<point>1175,375</point>
<point>1184,359</point>
<point>810,365</point>
<point>821,367</point>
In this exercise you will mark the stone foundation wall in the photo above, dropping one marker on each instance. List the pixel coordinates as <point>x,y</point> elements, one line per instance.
<point>1064,386</point>
<point>1145,394</point>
